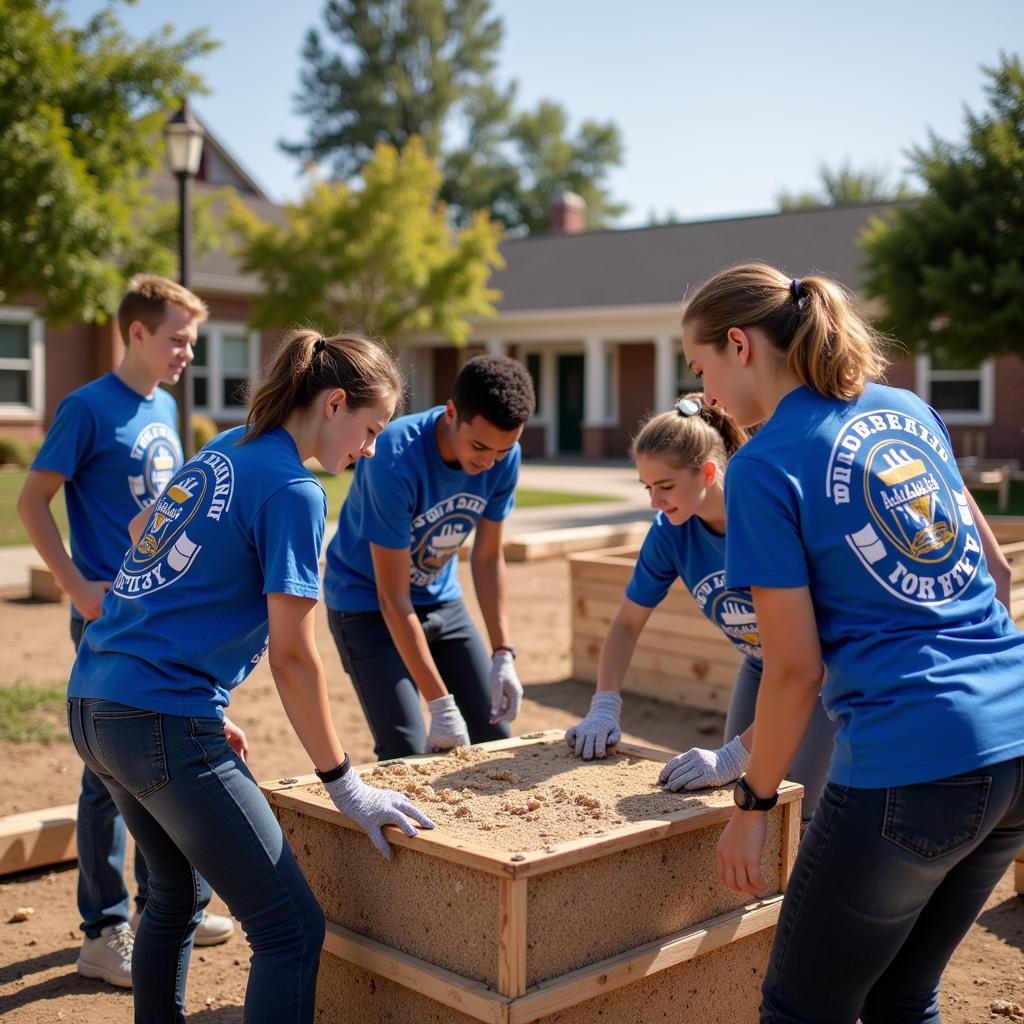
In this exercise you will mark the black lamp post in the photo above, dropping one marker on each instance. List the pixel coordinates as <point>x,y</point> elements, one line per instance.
<point>183,136</point>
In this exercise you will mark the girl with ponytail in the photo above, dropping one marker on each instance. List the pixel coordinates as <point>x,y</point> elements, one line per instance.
<point>225,567</point>
<point>681,458</point>
<point>865,553</point>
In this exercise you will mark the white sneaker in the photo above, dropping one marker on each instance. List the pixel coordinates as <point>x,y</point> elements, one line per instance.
<point>109,956</point>
<point>211,931</point>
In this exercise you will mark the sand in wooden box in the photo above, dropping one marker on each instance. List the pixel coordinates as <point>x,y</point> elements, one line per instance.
<point>534,853</point>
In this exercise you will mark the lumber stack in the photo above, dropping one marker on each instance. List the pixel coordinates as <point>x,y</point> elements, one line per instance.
<point>626,924</point>
<point>37,839</point>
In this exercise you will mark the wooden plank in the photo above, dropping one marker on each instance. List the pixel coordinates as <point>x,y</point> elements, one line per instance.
<point>555,543</point>
<point>550,997</point>
<point>650,753</point>
<point>711,671</point>
<point>512,937</point>
<point>718,649</point>
<point>676,689</point>
<point>43,585</point>
<point>446,987</point>
<point>578,851</point>
<point>604,612</point>
<point>36,839</point>
<point>1007,529</point>
<point>790,838</point>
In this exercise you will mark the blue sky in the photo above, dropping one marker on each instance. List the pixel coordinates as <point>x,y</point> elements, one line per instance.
<point>720,105</point>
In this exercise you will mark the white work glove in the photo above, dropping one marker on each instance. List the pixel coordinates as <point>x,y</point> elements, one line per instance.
<point>447,726</point>
<point>599,733</point>
<point>506,690</point>
<point>370,808</point>
<point>706,769</point>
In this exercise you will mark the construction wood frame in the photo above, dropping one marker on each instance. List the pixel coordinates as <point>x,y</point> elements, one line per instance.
<point>518,944</point>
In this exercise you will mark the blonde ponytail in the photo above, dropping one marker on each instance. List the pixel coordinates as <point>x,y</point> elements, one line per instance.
<point>811,322</point>
<point>688,441</point>
<point>307,364</point>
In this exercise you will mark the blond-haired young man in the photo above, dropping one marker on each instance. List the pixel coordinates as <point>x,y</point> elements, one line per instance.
<point>113,446</point>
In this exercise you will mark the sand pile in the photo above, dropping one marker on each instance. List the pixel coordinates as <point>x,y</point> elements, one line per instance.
<point>534,796</point>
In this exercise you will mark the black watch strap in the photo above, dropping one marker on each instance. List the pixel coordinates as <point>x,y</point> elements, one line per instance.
<point>511,648</point>
<point>747,800</point>
<point>332,774</point>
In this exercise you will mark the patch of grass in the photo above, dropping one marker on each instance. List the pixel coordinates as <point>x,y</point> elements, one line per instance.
<point>988,500</point>
<point>33,714</point>
<point>11,530</point>
<point>526,498</point>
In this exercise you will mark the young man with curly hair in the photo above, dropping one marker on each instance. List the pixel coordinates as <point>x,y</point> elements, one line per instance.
<point>392,589</point>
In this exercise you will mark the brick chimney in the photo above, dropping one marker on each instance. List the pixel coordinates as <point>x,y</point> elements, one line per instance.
<point>568,214</point>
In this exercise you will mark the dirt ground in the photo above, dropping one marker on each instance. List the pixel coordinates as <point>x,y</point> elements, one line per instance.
<point>37,974</point>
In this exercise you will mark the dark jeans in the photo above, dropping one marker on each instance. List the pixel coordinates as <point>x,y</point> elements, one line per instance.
<point>886,884</point>
<point>193,807</point>
<point>813,759</point>
<point>101,838</point>
<point>386,691</point>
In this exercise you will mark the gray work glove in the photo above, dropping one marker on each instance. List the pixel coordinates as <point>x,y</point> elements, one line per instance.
<point>599,733</point>
<point>706,769</point>
<point>506,690</point>
<point>370,808</point>
<point>447,726</point>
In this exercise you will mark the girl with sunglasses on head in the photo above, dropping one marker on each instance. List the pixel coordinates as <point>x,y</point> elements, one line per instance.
<point>681,458</point>
<point>863,549</point>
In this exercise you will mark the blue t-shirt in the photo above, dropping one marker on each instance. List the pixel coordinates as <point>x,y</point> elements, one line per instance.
<point>407,497</point>
<point>117,449</point>
<point>868,510</point>
<point>696,555</point>
<point>186,620</point>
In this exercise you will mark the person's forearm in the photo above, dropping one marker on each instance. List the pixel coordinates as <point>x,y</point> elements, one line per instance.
<point>302,687</point>
<point>785,704</point>
<point>412,646</point>
<point>492,594</point>
<point>46,538</point>
<point>616,654</point>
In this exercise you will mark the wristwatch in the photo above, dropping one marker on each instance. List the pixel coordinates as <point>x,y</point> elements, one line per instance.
<point>747,800</point>
<point>511,648</point>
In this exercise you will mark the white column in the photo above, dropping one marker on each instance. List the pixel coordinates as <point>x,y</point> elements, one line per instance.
<point>665,349</point>
<point>496,348</point>
<point>594,377</point>
<point>549,400</point>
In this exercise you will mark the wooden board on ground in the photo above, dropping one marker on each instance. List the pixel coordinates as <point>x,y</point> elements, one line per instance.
<point>37,839</point>
<point>463,928</point>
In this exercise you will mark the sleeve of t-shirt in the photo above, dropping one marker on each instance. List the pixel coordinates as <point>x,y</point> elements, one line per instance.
<point>289,533</point>
<point>70,441</point>
<point>388,504</point>
<point>503,500</point>
<point>763,546</point>
<point>943,429</point>
<point>654,573</point>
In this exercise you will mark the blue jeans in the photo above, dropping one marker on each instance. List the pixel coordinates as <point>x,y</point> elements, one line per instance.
<point>886,884</point>
<point>101,838</point>
<point>192,806</point>
<point>813,759</point>
<point>390,700</point>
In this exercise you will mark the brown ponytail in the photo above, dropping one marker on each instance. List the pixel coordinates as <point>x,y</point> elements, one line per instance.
<point>687,442</point>
<point>812,322</point>
<point>306,364</point>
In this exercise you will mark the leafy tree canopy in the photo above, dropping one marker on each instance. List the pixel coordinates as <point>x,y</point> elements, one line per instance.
<point>845,186</point>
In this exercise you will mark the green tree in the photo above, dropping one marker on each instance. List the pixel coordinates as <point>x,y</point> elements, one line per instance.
<point>381,257</point>
<point>844,186</point>
<point>392,69</point>
<point>80,118</point>
<point>950,267</point>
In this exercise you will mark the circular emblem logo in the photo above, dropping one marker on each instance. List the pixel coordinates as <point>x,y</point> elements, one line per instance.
<point>156,453</point>
<point>438,533</point>
<point>732,611</point>
<point>902,508</point>
<point>172,539</point>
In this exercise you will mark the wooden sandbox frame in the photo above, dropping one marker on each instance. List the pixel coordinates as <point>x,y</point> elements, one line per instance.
<point>518,985</point>
<point>680,656</point>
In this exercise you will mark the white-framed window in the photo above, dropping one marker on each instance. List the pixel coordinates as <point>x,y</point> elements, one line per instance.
<point>226,362</point>
<point>22,363</point>
<point>960,396</point>
<point>686,380</point>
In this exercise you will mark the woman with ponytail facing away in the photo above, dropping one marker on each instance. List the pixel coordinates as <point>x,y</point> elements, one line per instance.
<point>225,567</point>
<point>863,551</point>
<point>681,458</point>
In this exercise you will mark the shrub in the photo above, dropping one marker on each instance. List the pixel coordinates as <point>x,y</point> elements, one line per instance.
<point>204,430</point>
<point>12,452</point>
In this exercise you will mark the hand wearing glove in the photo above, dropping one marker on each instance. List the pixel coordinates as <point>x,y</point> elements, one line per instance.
<point>599,733</point>
<point>447,726</point>
<point>706,769</point>
<point>506,690</point>
<point>370,808</point>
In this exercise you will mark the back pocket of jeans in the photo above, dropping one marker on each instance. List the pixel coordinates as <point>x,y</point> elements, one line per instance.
<point>932,819</point>
<point>132,745</point>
